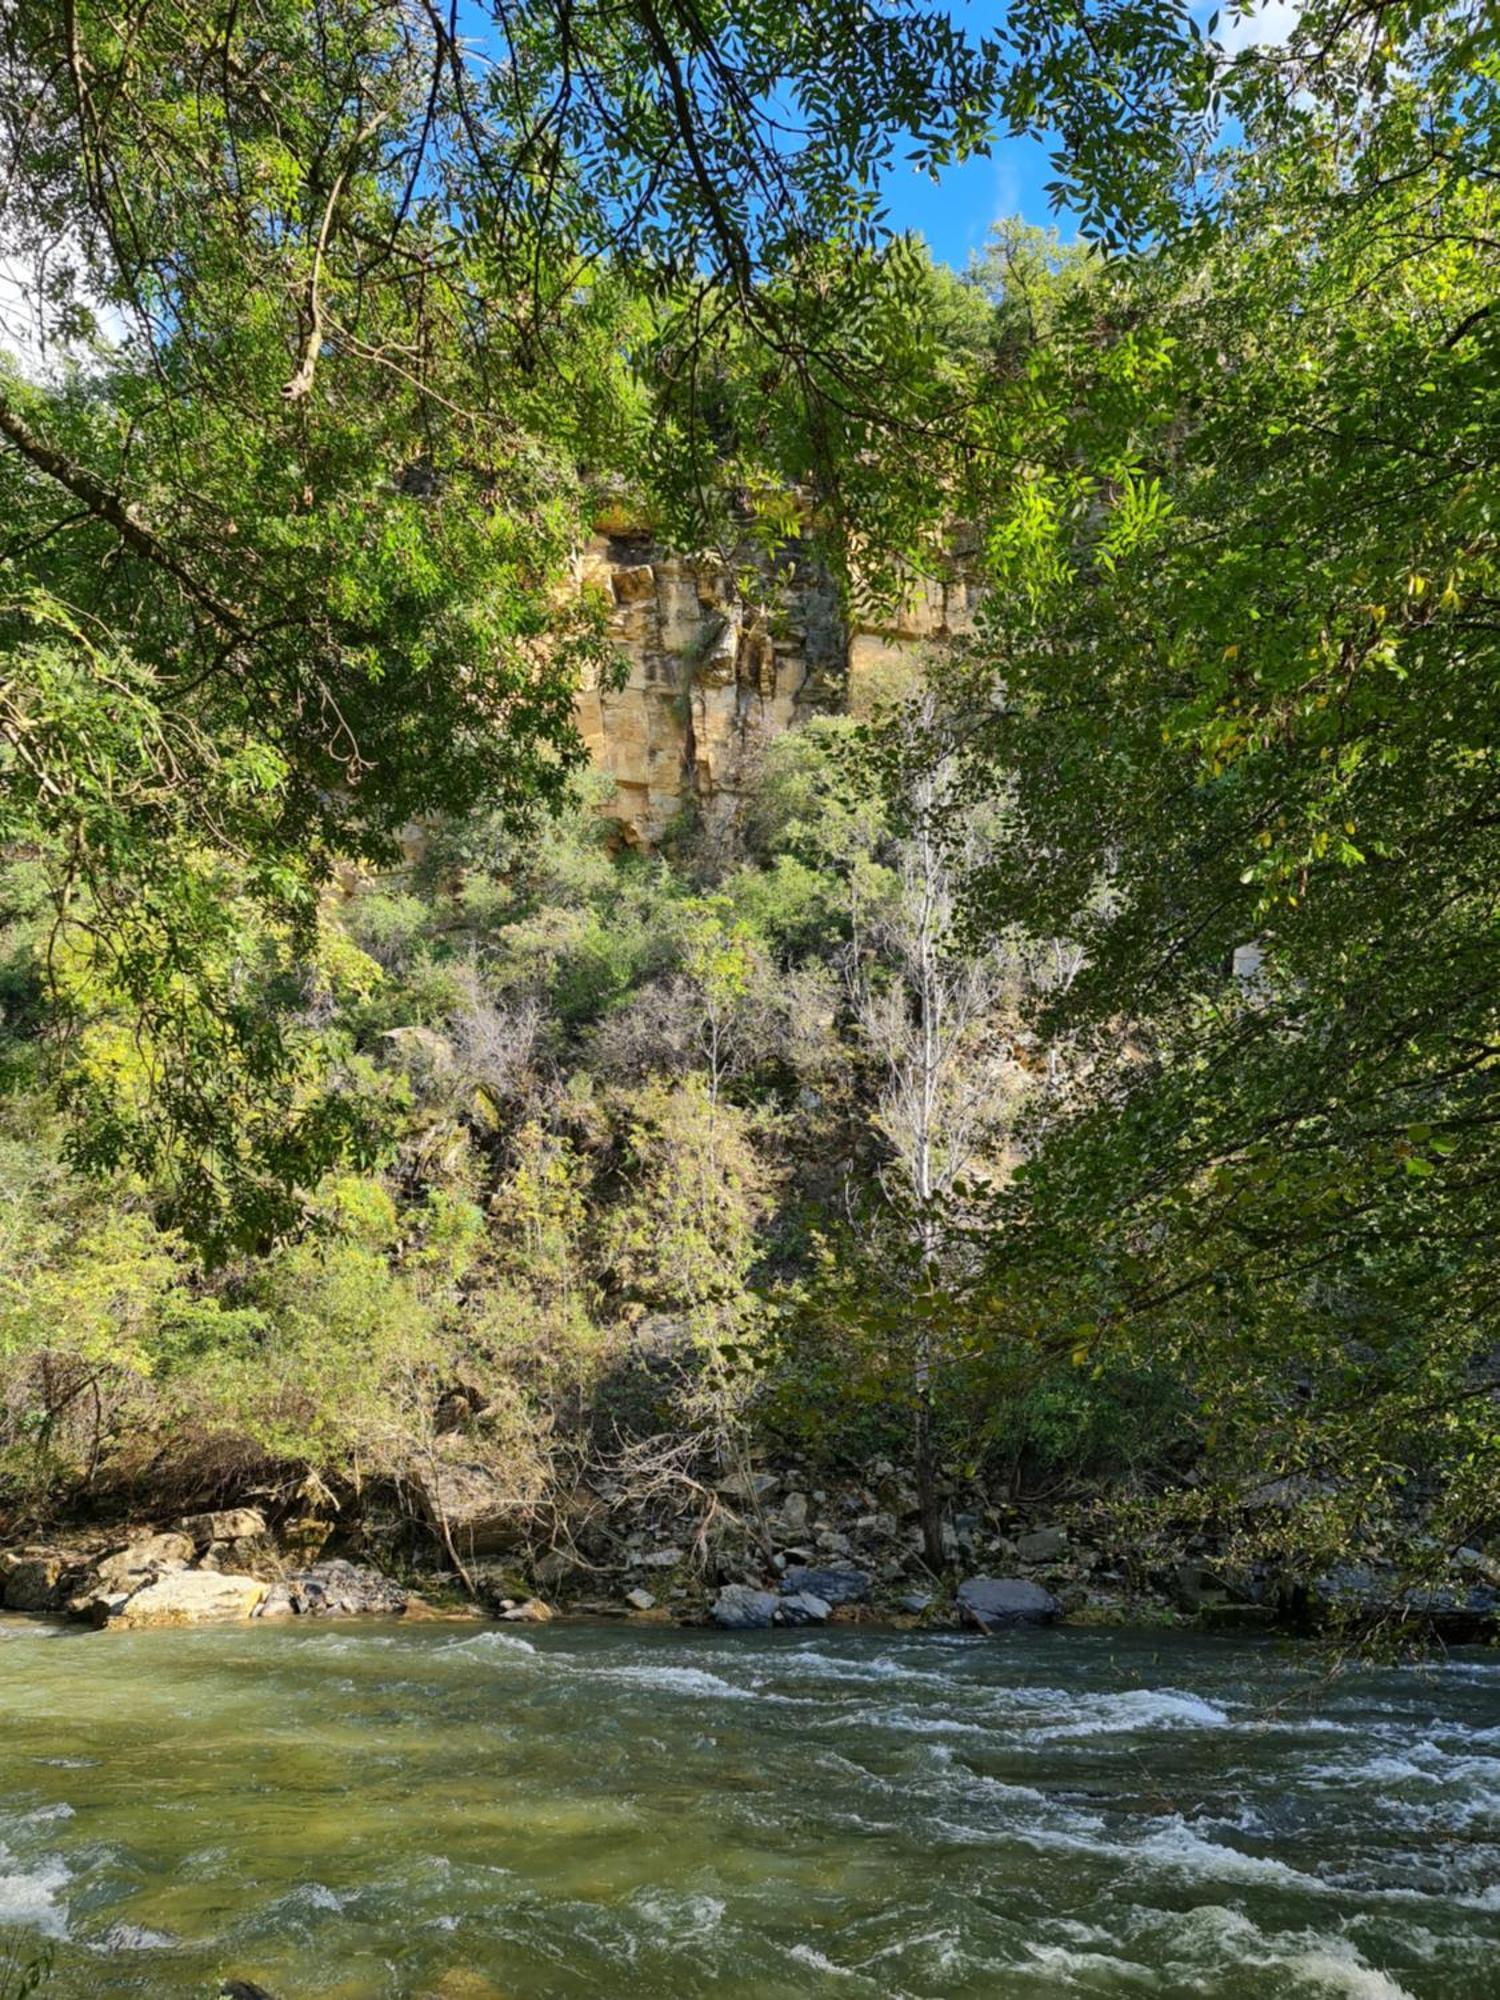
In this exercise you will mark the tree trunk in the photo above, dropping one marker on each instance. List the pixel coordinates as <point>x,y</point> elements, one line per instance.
<point>929,1508</point>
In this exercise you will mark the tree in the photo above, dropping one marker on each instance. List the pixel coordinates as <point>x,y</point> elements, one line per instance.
<point>928,1001</point>
<point>350,297</point>
<point>1245,626</point>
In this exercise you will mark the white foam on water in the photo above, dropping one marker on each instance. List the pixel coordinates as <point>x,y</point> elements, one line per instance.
<point>806,1954</point>
<point>881,1667</point>
<point>29,1895</point>
<point>1174,1848</point>
<point>134,1937</point>
<point>1139,1709</point>
<point>1334,1972</point>
<point>1223,1939</point>
<point>491,1642</point>
<point>1059,1958</point>
<point>679,1680</point>
<point>681,1918</point>
<point>907,1723</point>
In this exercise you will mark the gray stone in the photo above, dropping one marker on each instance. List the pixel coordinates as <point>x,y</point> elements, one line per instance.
<point>335,1589</point>
<point>836,1585</point>
<point>988,1601</point>
<point>658,1559</point>
<point>640,1600</point>
<point>1042,1545</point>
<point>791,1522</point>
<point>470,1503</point>
<point>739,1607</point>
<point>915,1602</point>
<point>99,1592</point>
<point>803,1607</point>
<point>750,1488</point>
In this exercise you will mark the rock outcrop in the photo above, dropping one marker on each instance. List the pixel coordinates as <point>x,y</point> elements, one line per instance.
<point>722,654</point>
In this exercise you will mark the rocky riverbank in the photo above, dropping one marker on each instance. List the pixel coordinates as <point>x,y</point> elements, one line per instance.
<point>761,1549</point>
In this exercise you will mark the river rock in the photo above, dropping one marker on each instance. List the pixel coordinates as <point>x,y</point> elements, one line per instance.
<point>834,1586</point>
<point>988,1601</point>
<point>790,1522</point>
<point>184,1597</point>
<point>335,1589</point>
<point>30,1578</point>
<point>530,1611</point>
<point>1042,1545</point>
<point>640,1600</point>
<point>740,1607</point>
<point>99,1591</point>
<point>803,1608</point>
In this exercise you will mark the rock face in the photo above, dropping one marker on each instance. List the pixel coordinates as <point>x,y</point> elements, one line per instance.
<point>99,1593</point>
<point>185,1597</point>
<point>739,1607</point>
<point>722,656</point>
<point>232,1524</point>
<point>990,1601</point>
<point>468,1502</point>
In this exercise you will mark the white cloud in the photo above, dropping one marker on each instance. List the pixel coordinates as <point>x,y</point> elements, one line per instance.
<point>1267,26</point>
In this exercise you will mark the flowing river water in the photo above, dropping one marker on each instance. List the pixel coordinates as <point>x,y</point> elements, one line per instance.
<point>456,1811</point>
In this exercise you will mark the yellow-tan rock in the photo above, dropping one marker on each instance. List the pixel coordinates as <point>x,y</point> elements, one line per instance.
<point>188,1597</point>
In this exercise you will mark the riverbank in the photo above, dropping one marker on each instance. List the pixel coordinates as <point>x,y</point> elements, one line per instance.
<point>761,1549</point>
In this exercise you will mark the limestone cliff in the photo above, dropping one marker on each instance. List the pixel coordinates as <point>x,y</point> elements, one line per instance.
<point>724,654</point>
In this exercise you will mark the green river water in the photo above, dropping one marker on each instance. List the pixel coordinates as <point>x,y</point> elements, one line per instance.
<point>368,1810</point>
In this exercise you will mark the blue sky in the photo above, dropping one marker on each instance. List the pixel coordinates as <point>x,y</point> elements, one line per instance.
<point>956,215</point>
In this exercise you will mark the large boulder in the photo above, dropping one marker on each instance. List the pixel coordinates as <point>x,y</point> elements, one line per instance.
<point>740,1607</point>
<point>803,1608</point>
<point>1042,1545</point>
<point>835,1585</point>
<point>30,1578</point>
<point>184,1597</point>
<point>99,1591</point>
<point>991,1601</point>
<point>229,1524</point>
<point>530,1611</point>
<point>469,1503</point>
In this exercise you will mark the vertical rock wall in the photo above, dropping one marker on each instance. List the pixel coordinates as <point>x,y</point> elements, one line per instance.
<point>721,658</point>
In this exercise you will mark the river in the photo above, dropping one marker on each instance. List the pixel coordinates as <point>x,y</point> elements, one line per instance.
<point>445,1810</point>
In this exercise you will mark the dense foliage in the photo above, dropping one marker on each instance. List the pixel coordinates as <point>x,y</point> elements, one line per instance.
<point>1090,1062</point>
